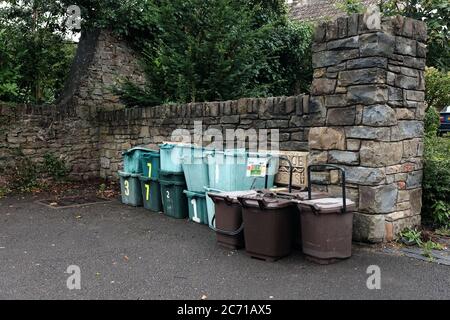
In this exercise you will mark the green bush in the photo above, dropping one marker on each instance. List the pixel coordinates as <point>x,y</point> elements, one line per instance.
<point>208,50</point>
<point>24,176</point>
<point>54,167</point>
<point>350,6</point>
<point>431,121</point>
<point>436,184</point>
<point>441,214</point>
<point>4,191</point>
<point>437,88</point>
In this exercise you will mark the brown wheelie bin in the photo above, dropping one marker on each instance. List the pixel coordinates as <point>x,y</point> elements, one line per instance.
<point>300,195</point>
<point>326,224</point>
<point>228,219</point>
<point>296,194</point>
<point>268,226</point>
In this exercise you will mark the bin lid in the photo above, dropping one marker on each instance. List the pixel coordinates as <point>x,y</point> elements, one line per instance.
<point>170,173</point>
<point>302,195</point>
<point>230,196</point>
<point>153,154</point>
<point>172,183</point>
<point>171,145</point>
<point>264,201</point>
<point>138,149</point>
<point>146,179</point>
<point>192,194</point>
<point>129,175</point>
<point>187,159</point>
<point>228,153</point>
<point>327,205</point>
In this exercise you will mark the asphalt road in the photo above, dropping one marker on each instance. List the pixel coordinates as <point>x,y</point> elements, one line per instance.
<point>127,253</point>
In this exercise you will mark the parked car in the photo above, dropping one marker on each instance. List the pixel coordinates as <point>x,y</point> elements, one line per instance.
<point>445,121</point>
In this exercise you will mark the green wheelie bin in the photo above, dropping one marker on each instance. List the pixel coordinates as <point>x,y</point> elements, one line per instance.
<point>150,164</point>
<point>151,193</point>
<point>174,199</point>
<point>132,159</point>
<point>130,188</point>
<point>172,176</point>
<point>197,207</point>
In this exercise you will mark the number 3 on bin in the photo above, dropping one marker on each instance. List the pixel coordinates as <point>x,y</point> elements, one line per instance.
<point>127,188</point>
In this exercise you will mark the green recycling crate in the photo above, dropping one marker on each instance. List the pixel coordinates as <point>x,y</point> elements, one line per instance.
<point>195,167</point>
<point>150,164</point>
<point>210,206</point>
<point>172,176</point>
<point>173,199</point>
<point>132,159</point>
<point>130,188</point>
<point>197,207</point>
<point>151,194</point>
<point>171,154</point>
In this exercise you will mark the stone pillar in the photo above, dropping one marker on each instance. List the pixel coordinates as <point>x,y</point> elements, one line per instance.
<point>369,80</point>
<point>102,63</point>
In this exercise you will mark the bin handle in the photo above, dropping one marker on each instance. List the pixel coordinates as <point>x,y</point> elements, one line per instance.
<point>324,167</point>
<point>167,146</point>
<point>261,203</point>
<point>227,233</point>
<point>314,208</point>
<point>227,199</point>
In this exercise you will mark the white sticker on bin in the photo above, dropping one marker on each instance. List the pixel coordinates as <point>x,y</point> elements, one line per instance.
<point>256,167</point>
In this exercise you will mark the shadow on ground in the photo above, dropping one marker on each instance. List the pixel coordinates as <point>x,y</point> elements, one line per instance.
<point>128,253</point>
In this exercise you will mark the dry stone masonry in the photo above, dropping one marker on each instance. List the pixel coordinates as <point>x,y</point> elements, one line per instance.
<point>33,131</point>
<point>102,62</point>
<point>370,85</point>
<point>122,129</point>
<point>365,113</point>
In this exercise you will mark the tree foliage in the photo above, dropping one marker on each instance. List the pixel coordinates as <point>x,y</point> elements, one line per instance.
<point>222,49</point>
<point>436,184</point>
<point>437,88</point>
<point>35,56</point>
<point>193,50</point>
<point>350,6</point>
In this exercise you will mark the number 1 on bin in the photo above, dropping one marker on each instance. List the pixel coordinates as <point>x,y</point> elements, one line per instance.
<point>149,165</point>
<point>194,207</point>
<point>147,192</point>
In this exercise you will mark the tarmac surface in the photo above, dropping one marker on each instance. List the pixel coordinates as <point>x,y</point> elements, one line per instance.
<point>130,253</point>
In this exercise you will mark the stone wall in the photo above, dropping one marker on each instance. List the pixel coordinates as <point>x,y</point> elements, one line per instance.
<point>33,131</point>
<point>101,63</point>
<point>123,129</point>
<point>370,84</point>
<point>365,113</point>
<point>69,128</point>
